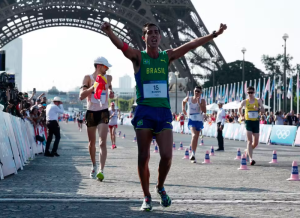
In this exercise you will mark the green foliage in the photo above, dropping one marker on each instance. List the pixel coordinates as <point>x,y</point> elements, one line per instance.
<point>123,105</point>
<point>233,72</point>
<point>275,65</point>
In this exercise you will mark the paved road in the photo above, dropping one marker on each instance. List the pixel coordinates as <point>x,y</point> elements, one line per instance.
<point>61,187</point>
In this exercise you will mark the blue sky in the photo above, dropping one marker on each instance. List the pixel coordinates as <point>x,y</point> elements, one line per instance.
<point>62,56</point>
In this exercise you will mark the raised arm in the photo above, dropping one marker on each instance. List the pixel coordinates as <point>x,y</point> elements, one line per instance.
<point>131,53</point>
<point>184,101</point>
<point>177,53</point>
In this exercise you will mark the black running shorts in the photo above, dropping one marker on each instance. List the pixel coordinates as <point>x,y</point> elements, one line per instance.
<point>252,126</point>
<point>94,118</point>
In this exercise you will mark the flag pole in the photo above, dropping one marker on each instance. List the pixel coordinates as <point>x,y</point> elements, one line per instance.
<point>298,92</point>
<point>238,92</point>
<point>279,103</point>
<point>269,92</point>
<point>259,88</point>
<point>291,92</point>
<point>274,99</point>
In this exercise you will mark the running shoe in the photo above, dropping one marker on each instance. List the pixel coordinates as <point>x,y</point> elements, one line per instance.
<point>93,172</point>
<point>252,162</point>
<point>147,204</point>
<point>192,159</point>
<point>100,176</point>
<point>165,200</point>
<point>113,146</point>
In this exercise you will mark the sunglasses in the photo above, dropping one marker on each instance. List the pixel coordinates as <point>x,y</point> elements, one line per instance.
<point>198,91</point>
<point>250,93</point>
<point>25,96</point>
<point>104,66</point>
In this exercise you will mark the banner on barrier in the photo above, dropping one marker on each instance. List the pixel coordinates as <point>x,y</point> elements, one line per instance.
<point>284,135</point>
<point>297,141</point>
<point>264,133</point>
<point>6,156</point>
<point>12,139</point>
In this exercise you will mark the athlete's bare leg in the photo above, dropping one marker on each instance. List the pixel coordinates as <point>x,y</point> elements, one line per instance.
<point>195,137</point>
<point>255,140</point>
<point>249,144</point>
<point>114,135</point>
<point>102,130</point>
<point>165,143</point>
<point>91,131</point>
<point>111,135</point>
<point>144,138</point>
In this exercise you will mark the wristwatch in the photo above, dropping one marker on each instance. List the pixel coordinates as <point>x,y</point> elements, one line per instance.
<point>215,34</point>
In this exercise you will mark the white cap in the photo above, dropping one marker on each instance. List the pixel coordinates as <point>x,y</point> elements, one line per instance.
<point>56,99</point>
<point>220,102</point>
<point>102,60</point>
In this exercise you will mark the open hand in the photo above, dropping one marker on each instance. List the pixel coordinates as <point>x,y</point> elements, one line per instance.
<point>222,28</point>
<point>111,95</point>
<point>106,27</point>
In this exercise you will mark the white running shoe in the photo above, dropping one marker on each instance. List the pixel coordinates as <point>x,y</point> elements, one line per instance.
<point>192,158</point>
<point>93,172</point>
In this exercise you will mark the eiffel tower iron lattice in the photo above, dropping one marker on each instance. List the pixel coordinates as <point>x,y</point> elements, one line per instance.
<point>178,20</point>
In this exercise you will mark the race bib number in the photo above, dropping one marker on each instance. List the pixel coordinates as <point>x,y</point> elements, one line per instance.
<point>195,117</point>
<point>252,114</point>
<point>97,101</point>
<point>103,97</point>
<point>155,89</point>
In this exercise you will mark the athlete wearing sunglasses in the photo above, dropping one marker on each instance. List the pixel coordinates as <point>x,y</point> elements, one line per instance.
<point>97,115</point>
<point>252,108</point>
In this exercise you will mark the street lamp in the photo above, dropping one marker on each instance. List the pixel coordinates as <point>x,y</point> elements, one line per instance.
<point>176,95</point>
<point>285,37</point>
<point>244,51</point>
<point>213,60</point>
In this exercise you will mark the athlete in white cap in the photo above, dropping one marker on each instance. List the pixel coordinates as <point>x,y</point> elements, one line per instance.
<point>97,115</point>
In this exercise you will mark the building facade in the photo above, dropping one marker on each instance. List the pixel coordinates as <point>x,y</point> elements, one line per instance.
<point>13,60</point>
<point>125,82</point>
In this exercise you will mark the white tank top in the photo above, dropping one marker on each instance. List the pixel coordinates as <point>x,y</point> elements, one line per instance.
<point>95,104</point>
<point>194,111</point>
<point>114,119</point>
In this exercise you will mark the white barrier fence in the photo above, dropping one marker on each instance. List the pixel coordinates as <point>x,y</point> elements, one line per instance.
<point>275,134</point>
<point>17,144</point>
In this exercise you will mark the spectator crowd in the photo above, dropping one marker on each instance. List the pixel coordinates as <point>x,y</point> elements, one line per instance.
<point>232,116</point>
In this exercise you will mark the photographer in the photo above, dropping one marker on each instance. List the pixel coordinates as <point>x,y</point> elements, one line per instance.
<point>292,119</point>
<point>4,98</point>
<point>279,119</point>
<point>12,109</point>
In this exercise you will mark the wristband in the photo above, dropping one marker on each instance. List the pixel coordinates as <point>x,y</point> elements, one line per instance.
<point>215,34</point>
<point>125,47</point>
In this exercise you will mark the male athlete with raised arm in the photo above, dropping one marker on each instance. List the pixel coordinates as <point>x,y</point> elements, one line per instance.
<point>153,115</point>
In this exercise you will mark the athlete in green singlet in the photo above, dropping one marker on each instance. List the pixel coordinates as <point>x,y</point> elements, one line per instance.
<point>153,115</point>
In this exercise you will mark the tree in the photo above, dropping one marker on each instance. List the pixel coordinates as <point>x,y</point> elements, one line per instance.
<point>233,72</point>
<point>275,65</point>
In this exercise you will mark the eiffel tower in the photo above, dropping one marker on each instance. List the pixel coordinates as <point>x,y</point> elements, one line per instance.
<point>178,20</point>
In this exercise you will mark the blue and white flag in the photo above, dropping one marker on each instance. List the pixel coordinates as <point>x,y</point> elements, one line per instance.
<point>290,90</point>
